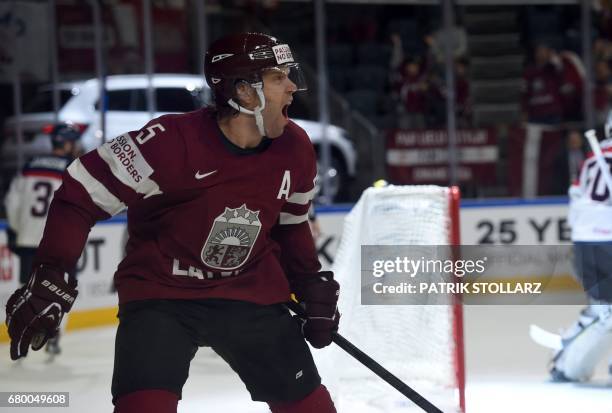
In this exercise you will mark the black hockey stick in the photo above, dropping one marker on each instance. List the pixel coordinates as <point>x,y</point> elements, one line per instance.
<point>376,368</point>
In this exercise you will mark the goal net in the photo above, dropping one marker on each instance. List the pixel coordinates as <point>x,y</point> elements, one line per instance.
<point>420,344</point>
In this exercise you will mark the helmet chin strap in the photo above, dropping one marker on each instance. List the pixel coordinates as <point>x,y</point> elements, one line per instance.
<point>255,112</point>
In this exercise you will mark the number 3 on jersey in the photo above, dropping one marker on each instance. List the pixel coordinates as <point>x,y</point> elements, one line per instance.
<point>44,191</point>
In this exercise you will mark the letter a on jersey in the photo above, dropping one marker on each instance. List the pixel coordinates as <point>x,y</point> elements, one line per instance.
<point>231,238</point>
<point>285,186</point>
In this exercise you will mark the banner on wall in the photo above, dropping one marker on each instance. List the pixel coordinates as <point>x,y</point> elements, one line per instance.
<point>505,223</point>
<point>538,159</point>
<point>416,157</point>
<point>513,223</point>
<point>531,224</point>
<point>95,269</point>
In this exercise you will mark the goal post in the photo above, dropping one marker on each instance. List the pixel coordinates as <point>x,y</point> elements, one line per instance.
<point>421,344</point>
<point>454,202</point>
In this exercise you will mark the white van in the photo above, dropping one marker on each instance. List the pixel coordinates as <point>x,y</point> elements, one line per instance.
<point>126,109</point>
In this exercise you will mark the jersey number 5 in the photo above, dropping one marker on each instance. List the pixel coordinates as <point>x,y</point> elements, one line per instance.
<point>150,133</point>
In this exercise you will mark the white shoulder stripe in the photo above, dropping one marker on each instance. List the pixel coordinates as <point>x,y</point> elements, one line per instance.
<point>290,219</point>
<point>128,165</point>
<point>96,190</point>
<point>302,198</point>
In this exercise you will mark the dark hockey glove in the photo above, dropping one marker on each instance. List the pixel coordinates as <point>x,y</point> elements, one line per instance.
<point>318,295</point>
<point>34,312</point>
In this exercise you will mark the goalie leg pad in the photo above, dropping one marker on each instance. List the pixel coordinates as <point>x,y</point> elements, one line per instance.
<point>592,262</point>
<point>150,401</point>
<point>318,401</point>
<point>584,345</point>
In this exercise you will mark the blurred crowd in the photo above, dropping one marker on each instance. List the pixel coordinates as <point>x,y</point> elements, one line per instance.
<point>386,63</point>
<point>418,81</point>
<point>553,88</point>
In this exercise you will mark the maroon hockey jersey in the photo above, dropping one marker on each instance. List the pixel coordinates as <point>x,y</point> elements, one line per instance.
<point>205,217</point>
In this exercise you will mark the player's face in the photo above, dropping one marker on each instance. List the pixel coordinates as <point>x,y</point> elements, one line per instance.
<point>278,90</point>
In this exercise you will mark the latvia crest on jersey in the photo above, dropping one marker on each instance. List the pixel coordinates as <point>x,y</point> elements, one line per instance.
<point>231,238</point>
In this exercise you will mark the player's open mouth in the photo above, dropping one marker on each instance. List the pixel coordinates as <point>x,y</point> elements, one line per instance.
<point>285,111</point>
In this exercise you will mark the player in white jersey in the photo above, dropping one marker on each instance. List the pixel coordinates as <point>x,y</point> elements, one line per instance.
<point>29,196</point>
<point>590,217</point>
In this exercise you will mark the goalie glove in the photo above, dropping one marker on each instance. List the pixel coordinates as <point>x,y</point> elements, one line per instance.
<point>318,295</point>
<point>34,312</point>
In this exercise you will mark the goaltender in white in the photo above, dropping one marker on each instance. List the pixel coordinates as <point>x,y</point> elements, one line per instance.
<point>585,343</point>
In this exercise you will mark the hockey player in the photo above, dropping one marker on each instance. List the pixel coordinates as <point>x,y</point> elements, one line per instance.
<point>218,238</point>
<point>590,216</point>
<point>29,197</point>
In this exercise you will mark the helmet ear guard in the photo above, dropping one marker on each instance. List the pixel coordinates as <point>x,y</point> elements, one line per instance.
<point>256,112</point>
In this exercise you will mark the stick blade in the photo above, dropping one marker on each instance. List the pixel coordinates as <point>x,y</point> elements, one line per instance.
<point>545,338</point>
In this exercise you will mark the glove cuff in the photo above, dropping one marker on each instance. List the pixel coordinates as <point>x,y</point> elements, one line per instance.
<point>319,287</point>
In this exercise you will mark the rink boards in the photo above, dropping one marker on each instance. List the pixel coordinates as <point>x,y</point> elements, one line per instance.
<point>509,222</point>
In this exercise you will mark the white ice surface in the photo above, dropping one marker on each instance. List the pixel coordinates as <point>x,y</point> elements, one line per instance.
<point>506,371</point>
